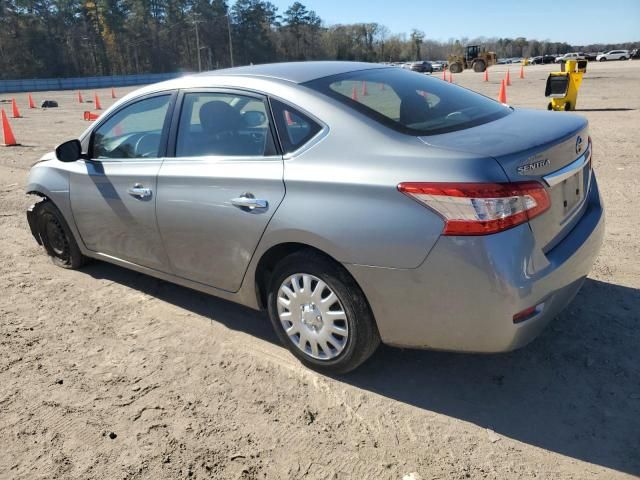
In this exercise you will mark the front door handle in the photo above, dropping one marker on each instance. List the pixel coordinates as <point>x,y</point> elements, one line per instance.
<point>139,191</point>
<point>247,201</point>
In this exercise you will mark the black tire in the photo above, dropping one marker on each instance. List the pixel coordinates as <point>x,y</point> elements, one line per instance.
<point>455,67</point>
<point>56,237</point>
<point>567,106</point>
<point>603,59</point>
<point>623,58</point>
<point>549,106</point>
<point>479,66</point>
<point>363,337</point>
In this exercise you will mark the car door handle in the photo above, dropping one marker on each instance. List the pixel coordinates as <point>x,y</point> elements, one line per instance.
<point>139,191</point>
<point>249,203</point>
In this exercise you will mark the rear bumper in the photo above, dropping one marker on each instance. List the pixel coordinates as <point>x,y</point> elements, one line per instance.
<point>465,294</point>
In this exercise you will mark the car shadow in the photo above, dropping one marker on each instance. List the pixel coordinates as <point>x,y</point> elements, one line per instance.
<point>604,109</point>
<point>574,391</point>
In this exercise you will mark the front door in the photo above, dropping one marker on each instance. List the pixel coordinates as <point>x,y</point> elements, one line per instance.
<point>216,196</point>
<point>113,194</point>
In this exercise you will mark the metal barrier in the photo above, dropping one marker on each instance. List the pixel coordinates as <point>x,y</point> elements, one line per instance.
<point>83,83</point>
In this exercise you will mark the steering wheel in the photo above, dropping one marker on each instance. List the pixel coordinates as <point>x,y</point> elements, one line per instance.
<point>147,145</point>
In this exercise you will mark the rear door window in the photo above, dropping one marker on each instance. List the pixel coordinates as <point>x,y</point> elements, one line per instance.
<point>223,124</point>
<point>410,102</point>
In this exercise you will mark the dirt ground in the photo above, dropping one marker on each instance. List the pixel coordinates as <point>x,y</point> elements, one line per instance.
<point>106,373</point>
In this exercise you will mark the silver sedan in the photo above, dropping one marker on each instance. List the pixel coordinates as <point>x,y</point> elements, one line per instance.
<point>357,203</point>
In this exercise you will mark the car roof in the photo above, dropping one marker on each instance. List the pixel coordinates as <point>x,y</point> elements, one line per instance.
<point>296,72</point>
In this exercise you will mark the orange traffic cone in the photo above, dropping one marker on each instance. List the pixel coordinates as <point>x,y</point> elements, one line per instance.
<point>444,73</point>
<point>486,74</point>
<point>450,77</point>
<point>88,116</point>
<point>354,93</point>
<point>508,78</point>
<point>96,101</point>
<point>113,93</point>
<point>31,102</point>
<point>80,100</point>
<point>364,88</point>
<point>502,96</point>
<point>8,140</point>
<point>521,71</point>
<point>287,117</point>
<point>14,107</point>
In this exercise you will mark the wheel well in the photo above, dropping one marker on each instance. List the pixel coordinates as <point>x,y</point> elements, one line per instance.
<point>268,263</point>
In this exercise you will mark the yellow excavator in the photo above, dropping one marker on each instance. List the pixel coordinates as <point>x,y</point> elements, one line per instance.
<point>474,58</point>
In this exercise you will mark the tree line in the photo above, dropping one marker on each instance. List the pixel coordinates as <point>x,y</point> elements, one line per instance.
<point>67,38</point>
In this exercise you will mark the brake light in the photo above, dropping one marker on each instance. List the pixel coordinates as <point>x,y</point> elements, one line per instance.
<point>480,208</point>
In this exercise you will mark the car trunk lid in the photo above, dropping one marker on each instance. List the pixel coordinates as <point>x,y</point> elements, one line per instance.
<point>551,148</point>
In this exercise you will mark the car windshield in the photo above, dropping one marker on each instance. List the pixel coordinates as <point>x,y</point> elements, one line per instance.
<point>410,102</point>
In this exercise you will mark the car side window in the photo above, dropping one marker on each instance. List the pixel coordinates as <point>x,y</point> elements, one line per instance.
<point>223,124</point>
<point>294,127</point>
<point>132,132</point>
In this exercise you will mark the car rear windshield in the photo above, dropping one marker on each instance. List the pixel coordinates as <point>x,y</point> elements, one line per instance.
<point>410,102</point>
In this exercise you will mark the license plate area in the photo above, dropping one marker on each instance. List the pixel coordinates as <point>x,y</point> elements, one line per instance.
<point>574,190</point>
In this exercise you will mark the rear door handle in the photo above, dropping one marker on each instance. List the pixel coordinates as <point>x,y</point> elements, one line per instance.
<point>247,201</point>
<point>139,191</point>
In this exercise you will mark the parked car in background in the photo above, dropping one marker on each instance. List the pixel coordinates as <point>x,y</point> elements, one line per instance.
<point>438,65</point>
<point>543,59</point>
<point>570,56</point>
<point>421,67</point>
<point>421,214</point>
<point>591,56</point>
<point>614,55</point>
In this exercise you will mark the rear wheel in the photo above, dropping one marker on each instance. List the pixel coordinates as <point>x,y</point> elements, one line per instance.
<point>567,106</point>
<point>320,313</point>
<point>603,59</point>
<point>623,58</point>
<point>479,66</point>
<point>57,238</point>
<point>455,67</point>
<point>550,106</point>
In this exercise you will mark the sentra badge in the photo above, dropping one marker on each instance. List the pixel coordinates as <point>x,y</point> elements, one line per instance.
<point>528,167</point>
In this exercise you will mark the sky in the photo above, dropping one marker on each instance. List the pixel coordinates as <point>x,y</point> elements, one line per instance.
<point>576,22</point>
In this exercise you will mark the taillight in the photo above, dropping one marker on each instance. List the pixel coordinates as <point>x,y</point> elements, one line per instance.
<point>480,208</point>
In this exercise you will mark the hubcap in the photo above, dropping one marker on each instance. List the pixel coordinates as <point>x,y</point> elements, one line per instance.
<point>312,316</point>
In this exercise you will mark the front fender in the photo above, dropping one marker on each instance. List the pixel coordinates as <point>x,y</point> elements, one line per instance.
<point>50,180</point>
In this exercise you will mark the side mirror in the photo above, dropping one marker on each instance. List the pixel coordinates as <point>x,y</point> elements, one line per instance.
<point>69,151</point>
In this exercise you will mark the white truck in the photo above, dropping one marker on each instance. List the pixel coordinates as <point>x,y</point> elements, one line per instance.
<point>570,56</point>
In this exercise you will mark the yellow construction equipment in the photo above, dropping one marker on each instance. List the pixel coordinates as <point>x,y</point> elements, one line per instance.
<point>474,58</point>
<point>563,86</point>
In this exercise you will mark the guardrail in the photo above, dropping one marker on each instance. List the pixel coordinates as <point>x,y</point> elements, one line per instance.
<point>83,83</point>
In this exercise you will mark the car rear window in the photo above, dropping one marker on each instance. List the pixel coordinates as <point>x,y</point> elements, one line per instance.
<point>410,102</point>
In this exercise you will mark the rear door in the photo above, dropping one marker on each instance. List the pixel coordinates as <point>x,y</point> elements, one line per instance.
<point>113,194</point>
<point>221,186</point>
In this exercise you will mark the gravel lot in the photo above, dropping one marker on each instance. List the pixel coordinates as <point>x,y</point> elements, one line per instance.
<point>106,373</point>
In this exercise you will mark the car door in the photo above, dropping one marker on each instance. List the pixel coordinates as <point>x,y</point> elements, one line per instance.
<point>113,192</point>
<point>222,186</point>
